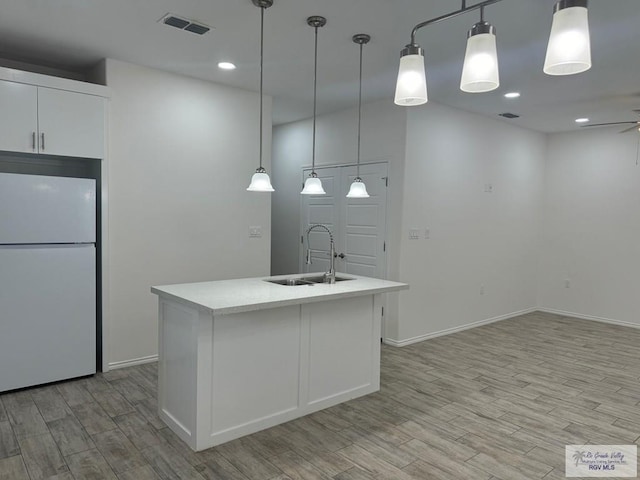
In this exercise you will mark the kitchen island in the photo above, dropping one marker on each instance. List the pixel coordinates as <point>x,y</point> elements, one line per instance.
<point>239,356</point>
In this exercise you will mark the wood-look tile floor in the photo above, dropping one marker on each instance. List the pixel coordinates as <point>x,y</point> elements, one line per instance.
<point>496,402</point>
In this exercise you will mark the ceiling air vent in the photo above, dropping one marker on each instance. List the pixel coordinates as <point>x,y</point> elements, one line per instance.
<point>184,24</point>
<point>509,115</point>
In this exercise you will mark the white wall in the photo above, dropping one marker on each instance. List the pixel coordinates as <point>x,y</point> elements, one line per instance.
<point>592,226</point>
<point>478,240</point>
<point>181,154</point>
<point>383,136</point>
<point>441,159</point>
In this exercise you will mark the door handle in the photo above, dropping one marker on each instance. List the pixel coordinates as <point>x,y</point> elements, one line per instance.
<point>33,141</point>
<point>42,141</point>
<point>342,256</point>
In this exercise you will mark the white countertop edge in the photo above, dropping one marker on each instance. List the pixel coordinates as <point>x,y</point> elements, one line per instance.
<point>277,303</point>
<point>331,292</point>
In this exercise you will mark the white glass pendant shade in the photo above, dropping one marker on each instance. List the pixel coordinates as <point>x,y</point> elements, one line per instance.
<point>358,189</point>
<point>313,186</point>
<point>480,69</point>
<point>411,87</point>
<point>569,49</point>
<point>260,182</point>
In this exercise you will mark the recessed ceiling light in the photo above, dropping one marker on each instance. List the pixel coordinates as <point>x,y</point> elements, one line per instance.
<point>582,120</point>
<point>512,95</point>
<point>226,66</point>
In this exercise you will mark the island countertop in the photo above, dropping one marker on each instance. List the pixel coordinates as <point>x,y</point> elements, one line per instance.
<point>225,297</point>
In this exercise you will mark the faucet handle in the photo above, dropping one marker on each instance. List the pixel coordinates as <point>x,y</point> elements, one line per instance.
<point>329,278</point>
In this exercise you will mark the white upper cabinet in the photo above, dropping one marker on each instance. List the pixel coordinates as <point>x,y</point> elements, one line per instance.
<point>51,121</point>
<point>18,117</point>
<point>70,124</point>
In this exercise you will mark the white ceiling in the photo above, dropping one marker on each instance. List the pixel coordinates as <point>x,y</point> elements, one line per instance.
<point>76,34</point>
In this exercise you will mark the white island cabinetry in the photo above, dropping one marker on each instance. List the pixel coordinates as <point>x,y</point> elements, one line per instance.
<point>239,356</point>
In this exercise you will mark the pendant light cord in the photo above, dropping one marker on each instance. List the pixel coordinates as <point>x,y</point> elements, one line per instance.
<point>359,115</point>
<point>261,67</point>
<point>315,95</point>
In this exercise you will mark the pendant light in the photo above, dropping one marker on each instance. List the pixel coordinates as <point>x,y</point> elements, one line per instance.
<point>569,49</point>
<point>411,86</point>
<point>313,185</point>
<point>260,181</point>
<point>358,188</point>
<point>480,68</point>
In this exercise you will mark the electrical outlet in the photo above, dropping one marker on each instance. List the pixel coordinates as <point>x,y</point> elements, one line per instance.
<point>481,289</point>
<point>567,283</point>
<point>255,232</point>
<point>488,188</point>
<point>414,234</point>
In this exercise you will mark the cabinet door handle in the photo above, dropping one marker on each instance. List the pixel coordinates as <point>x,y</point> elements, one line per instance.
<point>42,141</point>
<point>342,256</point>
<point>33,141</point>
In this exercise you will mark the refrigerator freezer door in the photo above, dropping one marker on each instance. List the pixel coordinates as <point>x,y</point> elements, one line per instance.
<point>43,209</point>
<point>47,314</point>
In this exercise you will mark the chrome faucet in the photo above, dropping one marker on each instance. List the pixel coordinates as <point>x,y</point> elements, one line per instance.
<point>330,276</point>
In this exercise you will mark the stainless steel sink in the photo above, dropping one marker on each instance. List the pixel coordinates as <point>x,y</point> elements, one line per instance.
<point>291,282</point>
<point>320,279</point>
<point>297,281</point>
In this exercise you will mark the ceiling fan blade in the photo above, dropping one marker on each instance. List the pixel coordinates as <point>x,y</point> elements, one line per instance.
<point>635,127</point>
<point>610,123</point>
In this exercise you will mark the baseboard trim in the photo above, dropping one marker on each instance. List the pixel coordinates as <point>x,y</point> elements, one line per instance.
<point>593,318</point>
<point>449,331</point>
<point>133,362</point>
<point>441,333</point>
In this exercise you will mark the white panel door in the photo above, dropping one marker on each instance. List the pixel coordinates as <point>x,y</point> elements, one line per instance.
<point>48,314</point>
<point>358,224</point>
<point>70,123</point>
<point>44,209</point>
<point>363,224</point>
<point>323,209</point>
<point>18,117</point>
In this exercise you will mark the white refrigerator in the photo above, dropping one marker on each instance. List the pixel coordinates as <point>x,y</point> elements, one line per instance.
<point>47,279</point>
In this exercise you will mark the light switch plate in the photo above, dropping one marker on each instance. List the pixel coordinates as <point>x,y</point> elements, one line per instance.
<point>255,232</point>
<point>414,234</point>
